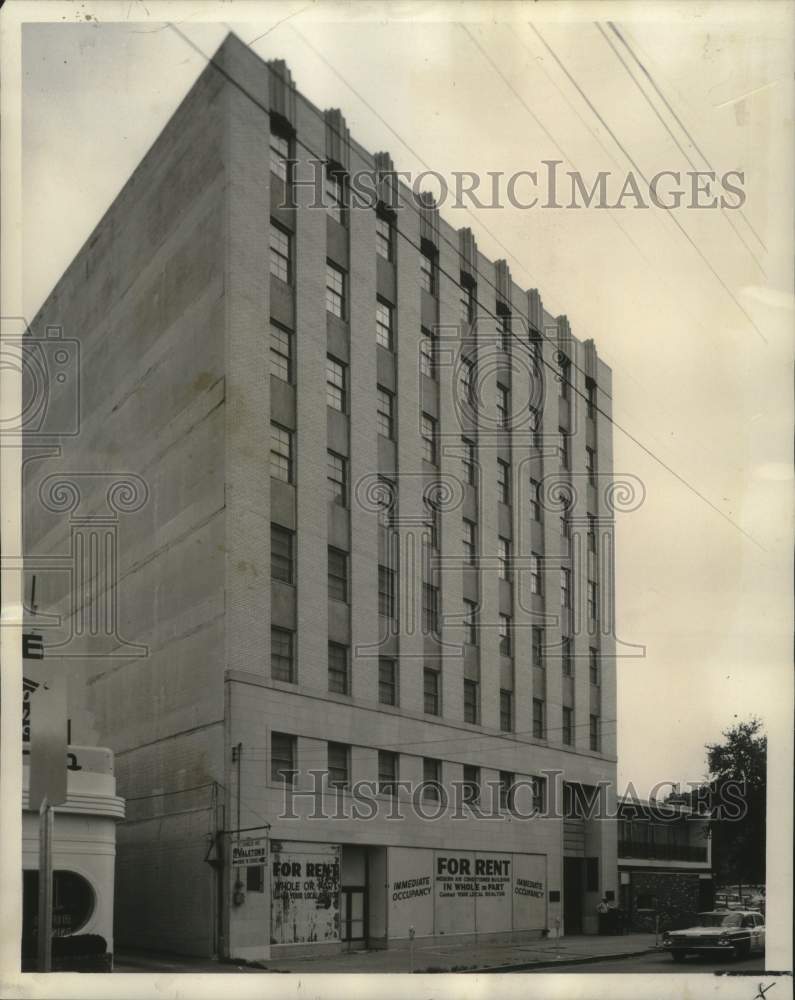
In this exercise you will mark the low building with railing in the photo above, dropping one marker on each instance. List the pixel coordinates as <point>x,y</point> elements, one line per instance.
<point>664,864</point>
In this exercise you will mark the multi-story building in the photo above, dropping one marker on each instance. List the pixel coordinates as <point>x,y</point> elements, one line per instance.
<point>664,864</point>
<point>366,530</point>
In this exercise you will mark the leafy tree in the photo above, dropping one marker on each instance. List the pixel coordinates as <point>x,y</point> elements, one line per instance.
<point>738,785</point>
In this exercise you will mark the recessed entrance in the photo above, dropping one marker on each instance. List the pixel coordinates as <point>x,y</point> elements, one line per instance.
<point>573,894</point>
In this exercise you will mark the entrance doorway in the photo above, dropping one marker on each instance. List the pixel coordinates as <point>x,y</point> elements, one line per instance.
<point>573,894</point>
<point>352,921</point>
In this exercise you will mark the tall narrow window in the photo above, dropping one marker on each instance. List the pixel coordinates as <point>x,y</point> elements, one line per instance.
<point>593,601</point>
<point>470,541</point>
<point>565,588</point>
<point>593,665</point>
<point>335,195</point>
<point>539,794</point>
<point>384,414</point>
<point>538,719</point>
<point>280,157</point>
<point>503,481</point>
<point>591,533</point>
<point>536,580</point>
<point>590,465</point>
<point>468,461</point>
<point>535,426</point>
<point>427,274</point>
<point>282,660</point>
<point>563,448</point>
<point>567,734</point>
<point>281,554</point>
<point>281,353</point>
<point>428,431</point>
<point>335,290</point>
<point>467,303</point>
<point>594,732</point>
<point>383,324</point>
<point>466,382</point>
<point>383,237</point>
<point>506,790</point>
<point>339,755</point>
<point>503,406</point>
<point>505,635</point>
<point>385,499</point>
<point>535,500</point>
<point>504,558</point>
<point>283,758</point>
<point>427,354</point>
<point>337,478</point>
<point>471,702</point>
<point>387,772</point>
<point>431,691</point>
<point>338,673</point>
<point>470,622</point>
<point>337,574</point>
<point>538,646</point>
<point>281,453</point>
<point>535,352</point>
<point>387,681</point>
<point>386,592</point>
<point>280,253</point>
<point>506,711</point>
<point>565,532</point>
<point>567,662</point>
<point>431,778</point>
<point>430,609</point>
<point>433,516</point>
<point>564,375</point>
<point>471,784</point>
<point>336,391</point>
<point>590,391</point>
<point>505,332</point>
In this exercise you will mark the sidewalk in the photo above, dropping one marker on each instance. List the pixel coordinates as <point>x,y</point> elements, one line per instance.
<point>452,957</point>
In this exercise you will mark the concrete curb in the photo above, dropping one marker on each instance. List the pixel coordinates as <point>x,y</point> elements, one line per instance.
<point>556,963</point>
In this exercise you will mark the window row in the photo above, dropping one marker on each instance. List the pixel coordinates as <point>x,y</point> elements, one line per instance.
<point>284,768</point>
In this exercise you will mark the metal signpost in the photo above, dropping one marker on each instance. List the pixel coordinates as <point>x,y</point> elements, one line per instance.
<point>45,886</point>
<point>47,787</point>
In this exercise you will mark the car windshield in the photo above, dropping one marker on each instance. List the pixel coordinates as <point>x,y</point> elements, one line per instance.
<point>719,920</point>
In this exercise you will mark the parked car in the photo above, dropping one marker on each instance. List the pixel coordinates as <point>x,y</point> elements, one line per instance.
<point>718,932</point>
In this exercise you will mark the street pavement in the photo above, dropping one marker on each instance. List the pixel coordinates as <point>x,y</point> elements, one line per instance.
<point>632,954</point>
<point>452,957</point>
<point>663,963</point>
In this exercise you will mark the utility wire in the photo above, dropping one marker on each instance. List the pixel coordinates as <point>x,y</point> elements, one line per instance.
<point>669,211</point>
<point>679,146</point>
<point>677,119</point>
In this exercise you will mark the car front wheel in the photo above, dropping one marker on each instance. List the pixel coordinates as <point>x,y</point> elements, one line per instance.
<point>678,956</point>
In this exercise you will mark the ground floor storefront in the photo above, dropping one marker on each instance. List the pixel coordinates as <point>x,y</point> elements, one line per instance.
<point>347,896</point>
<point>325,898</point>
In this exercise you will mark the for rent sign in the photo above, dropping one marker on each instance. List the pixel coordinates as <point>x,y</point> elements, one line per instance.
<point>305,892</point>
<point>461,892</point>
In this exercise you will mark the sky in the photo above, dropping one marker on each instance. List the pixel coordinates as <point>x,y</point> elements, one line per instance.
<point>692,308</point>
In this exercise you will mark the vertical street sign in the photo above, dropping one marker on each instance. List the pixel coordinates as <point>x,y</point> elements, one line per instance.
<point>47,737</point>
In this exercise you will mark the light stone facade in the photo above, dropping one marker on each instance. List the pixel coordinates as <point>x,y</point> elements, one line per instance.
<point>170,300</point>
